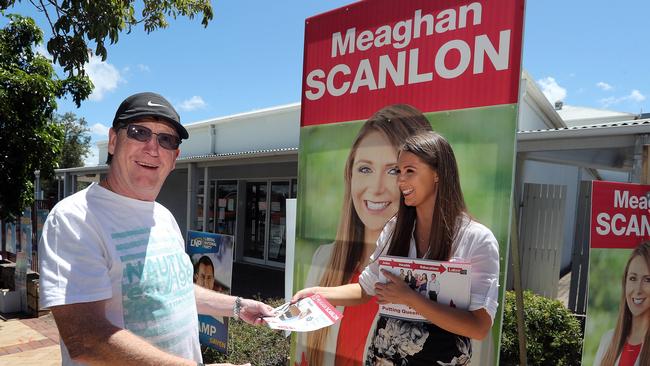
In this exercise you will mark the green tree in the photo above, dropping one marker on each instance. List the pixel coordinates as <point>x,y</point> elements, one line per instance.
<point>76,25</point>
<point>76,145</point>
<point>29,140</point>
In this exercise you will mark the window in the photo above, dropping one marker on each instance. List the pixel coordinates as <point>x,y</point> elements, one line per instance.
<point>200,198</point>
<point>225,215</point>
<point>198,224</point>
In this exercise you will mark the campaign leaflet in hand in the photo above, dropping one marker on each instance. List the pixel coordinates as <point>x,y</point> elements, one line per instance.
<point>307,314</point>
<point>444,282</point>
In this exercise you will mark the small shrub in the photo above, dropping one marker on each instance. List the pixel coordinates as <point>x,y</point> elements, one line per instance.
<point>259,345</point>
<point>553,334</point>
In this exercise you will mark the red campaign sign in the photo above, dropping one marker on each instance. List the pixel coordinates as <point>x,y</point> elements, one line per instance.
<point>435,55</point>
<point>620,216</point>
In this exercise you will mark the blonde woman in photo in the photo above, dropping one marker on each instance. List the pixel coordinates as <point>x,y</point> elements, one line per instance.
<point>432,222</point>
<point>626,344</point>
<point>371,198</point>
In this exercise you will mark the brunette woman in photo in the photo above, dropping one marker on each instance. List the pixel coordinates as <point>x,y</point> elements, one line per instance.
<point>626,344</point>
<point>371,198</point>
<point>432,222</point>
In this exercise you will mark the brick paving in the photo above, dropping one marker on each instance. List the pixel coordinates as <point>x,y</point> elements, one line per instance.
<point>30,341</point>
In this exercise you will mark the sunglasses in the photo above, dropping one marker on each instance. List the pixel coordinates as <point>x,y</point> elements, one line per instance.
<point>144,134</point>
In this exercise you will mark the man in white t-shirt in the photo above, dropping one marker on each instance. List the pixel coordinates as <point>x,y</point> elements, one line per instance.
<point>113,267</point>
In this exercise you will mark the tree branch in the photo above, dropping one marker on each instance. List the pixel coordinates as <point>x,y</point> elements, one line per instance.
<point>41,9</point>
<point>47,15</point>
<point>56,6</point>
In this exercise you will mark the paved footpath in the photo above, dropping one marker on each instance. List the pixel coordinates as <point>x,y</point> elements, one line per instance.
<point>33,341</point>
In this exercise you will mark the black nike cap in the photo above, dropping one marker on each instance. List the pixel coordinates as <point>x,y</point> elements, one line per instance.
<point>148,104</point>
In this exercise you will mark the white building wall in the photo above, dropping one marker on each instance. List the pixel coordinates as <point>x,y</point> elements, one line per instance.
<point>102,147</point>
<point>530,117</point>
<point>198,143</point>
<point>259,132</point>
<point>273,128</point>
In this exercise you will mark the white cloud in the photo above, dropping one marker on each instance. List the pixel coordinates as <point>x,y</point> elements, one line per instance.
<point>606,102</point>
<point>143,67</point>
<point>603,85</point>
<point>99,129</point>
<point>551,89</point>
<point>104,76</point>
<point>194,103</point>
<point>634,96</point>
<point>92,159</point>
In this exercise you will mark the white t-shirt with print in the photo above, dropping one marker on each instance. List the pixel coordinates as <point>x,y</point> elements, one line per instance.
<point>474,243</point>
<point>98,245</point>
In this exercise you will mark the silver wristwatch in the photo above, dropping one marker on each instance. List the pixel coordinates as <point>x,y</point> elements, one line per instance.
<point>236,308</point>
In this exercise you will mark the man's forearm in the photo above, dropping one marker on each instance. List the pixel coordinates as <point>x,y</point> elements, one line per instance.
<point>91,339</point>
<point>213,303</point>
<point>116,346</point>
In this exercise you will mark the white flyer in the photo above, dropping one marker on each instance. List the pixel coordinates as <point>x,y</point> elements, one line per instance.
<point>305,315</point>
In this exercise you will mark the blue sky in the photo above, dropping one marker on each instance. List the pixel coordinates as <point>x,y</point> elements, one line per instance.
<point>587,53</point>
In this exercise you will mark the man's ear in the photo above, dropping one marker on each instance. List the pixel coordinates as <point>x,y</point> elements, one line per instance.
<point>178,152</point>
<point>112,140</point>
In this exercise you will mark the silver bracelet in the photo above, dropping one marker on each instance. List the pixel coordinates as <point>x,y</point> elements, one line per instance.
<point>236,308</point>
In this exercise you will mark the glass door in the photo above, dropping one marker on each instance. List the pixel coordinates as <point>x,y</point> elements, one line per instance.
<point>278,222</point>
<point>255,226</point>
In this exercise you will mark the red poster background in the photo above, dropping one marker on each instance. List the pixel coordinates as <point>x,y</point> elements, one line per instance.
<point>491,87</point>
<point>603,195</point>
